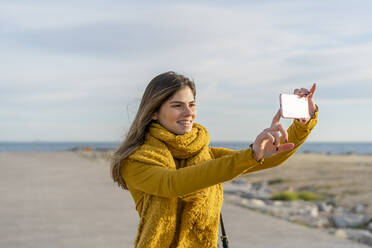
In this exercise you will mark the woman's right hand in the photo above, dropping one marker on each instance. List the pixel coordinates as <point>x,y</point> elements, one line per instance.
<point>267,143</point>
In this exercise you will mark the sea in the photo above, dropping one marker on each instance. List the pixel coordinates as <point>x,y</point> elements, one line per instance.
<point>308,147</point>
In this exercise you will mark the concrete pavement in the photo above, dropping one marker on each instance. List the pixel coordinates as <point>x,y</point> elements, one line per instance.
<point>60,199</point>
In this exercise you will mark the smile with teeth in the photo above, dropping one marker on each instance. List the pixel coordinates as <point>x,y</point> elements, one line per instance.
<point>185,123</point>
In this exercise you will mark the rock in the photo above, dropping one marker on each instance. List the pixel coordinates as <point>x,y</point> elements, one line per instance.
<point>366,238</point>
<point>340,233</point>
<point>320,214</point>
<point>304,208</point>
<point>277,203</point>
<point>324,207</point>
<point>239,182</point>
<point>257,203</point>
<point>259,191</point>
<point>369,227</point>
<point>247,190</point>
<point>331,201</point>
<point>349,220</point>
<point>237,187</point>
<point>359,209</point>
<point>280,212</point>
<point>339,210</point>
<point>313,212</point>
<point>362,236</point>
<point>318,222</point>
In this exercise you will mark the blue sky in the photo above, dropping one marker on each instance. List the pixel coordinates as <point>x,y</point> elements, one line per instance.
<point>76,70</point>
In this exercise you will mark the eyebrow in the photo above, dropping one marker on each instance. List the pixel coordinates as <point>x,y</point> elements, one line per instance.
<point>180,102</point>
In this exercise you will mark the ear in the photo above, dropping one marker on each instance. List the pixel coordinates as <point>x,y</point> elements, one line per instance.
<point>155,116</point>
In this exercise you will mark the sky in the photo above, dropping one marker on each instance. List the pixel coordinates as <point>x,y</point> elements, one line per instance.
<point>76,70</point>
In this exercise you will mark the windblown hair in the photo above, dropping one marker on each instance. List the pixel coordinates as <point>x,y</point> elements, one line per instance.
<point>158,91</point>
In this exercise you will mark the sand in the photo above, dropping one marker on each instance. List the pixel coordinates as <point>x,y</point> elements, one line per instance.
<point>67,199</point>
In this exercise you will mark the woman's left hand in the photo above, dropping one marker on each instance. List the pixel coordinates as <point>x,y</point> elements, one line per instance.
<point>309,95</point>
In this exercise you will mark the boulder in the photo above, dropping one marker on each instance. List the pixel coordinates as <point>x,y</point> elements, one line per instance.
<point>318,222</point>
<point>369,227</point>
<point>359,209</point>
<point>349,220</point>
<point>340,233</point>
<point>324,207</point>
<point>257,203</point>
<point>248,190</point>
<point>237,187</point>
<point>359,235</point>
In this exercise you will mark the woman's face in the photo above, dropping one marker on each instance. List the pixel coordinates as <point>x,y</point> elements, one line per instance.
<point>178,113</point>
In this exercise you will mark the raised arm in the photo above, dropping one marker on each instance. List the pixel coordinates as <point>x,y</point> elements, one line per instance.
<point>218,152</point>
<point>297,134</point>
<point>161,181</point>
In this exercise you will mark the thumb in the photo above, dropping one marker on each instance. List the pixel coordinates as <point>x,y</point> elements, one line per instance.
<point>286,147</point>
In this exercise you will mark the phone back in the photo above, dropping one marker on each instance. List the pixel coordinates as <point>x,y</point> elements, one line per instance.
<point>293,107</point>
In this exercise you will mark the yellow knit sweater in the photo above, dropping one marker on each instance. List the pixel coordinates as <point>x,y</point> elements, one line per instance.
<point>175,181</point>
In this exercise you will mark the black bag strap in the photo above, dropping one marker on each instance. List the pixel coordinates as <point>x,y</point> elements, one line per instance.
<point>225,241</point>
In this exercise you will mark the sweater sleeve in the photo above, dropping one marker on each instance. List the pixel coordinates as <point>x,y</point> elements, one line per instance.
<point>165,182</point>
<point>218,152</point>
<point>297,134</point>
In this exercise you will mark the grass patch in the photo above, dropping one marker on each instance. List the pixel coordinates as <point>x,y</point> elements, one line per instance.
<point>309,196</point>
<point>292,196</point>
<point>285,196</point>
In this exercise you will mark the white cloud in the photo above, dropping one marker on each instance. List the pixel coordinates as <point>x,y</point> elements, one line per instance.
<point>97,58</point>
<point>354,102</point>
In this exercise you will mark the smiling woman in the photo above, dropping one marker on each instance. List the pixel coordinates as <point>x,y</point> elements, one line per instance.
<point>178,113</point>
<point>174,176</point>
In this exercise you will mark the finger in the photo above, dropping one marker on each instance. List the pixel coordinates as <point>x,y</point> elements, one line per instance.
<point>277,139</point>
<point>310,97</point>
<point>279,127</point>
<point>298,92</point>
<point>311,103</point>
<point>304,91</point>
<point>286,147</point>
<point>313,88</point>
<point>268,136</point>
<point>276,118</point>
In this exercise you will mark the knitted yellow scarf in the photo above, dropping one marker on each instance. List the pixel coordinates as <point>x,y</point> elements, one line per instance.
<point>188,221</point>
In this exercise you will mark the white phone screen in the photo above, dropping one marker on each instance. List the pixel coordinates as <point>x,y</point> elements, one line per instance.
<point>293,107</point>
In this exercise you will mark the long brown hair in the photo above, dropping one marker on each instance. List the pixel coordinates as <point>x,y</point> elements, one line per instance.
<point>158,91</point>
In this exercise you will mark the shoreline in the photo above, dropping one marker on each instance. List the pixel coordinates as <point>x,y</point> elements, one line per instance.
<point>104,150</point>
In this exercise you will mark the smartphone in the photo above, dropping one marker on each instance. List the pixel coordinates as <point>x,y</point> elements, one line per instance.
<point>293,107</point>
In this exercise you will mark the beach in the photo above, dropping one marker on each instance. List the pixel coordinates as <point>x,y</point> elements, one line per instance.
<point>67,199</point>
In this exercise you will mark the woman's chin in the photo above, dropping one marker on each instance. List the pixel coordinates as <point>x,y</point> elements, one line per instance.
<point>183,131</point>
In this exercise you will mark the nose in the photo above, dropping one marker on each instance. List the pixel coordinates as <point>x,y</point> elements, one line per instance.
<point>187,111</point>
